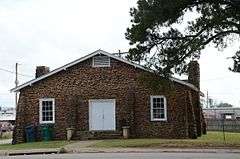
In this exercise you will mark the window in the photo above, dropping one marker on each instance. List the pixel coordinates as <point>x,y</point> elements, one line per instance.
<point>101,61</point>
<point>47,110</point>
<point>158,108</point>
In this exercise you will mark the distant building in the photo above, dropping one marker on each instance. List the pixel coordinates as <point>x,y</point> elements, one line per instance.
<point>220,113</point>
<point>7,119</point>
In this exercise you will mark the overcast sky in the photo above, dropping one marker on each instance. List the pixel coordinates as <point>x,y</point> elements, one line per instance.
<point>55,32</point>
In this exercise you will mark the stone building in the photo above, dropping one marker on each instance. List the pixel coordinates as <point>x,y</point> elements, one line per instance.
<point>100,93</point>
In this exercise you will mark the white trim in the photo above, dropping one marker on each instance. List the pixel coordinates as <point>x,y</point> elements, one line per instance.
<point>185,83</point>
<point>29,83</point>
<point>165,108</point>
<point>40,110</point>
<point>57,70</point>
<point>90,111</point>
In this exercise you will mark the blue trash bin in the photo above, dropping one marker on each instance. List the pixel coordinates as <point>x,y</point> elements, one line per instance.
<point>30,133</point>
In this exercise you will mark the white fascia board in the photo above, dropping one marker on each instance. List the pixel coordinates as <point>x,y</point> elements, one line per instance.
<point>149,70</point>
<point>184,83</point>
<point>31,82</point>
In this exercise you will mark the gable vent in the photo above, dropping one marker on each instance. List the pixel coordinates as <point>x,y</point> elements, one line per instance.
<point>101,61</point>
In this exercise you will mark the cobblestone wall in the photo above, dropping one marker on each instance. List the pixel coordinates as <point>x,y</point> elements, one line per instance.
<point>72,89</point>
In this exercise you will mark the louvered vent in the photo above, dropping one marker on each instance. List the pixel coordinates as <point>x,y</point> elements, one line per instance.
<point>101,61</point>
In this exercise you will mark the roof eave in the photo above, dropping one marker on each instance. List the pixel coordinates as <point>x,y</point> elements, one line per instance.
<point>31,82</point>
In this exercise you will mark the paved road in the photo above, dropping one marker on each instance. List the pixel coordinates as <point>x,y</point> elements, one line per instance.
<point>131,156</point>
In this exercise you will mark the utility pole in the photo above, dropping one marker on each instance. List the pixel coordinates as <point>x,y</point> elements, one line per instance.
<point>119,53</point>
<point>16,84</point>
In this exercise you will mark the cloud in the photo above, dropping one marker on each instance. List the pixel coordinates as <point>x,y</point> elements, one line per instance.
<point>55,32</point>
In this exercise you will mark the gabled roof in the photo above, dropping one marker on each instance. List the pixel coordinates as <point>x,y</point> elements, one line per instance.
<point>29,83</point>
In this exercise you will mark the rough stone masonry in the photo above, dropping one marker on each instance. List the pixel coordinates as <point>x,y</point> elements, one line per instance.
<point>72,88</point>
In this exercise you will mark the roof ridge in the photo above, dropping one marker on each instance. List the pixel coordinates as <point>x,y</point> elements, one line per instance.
<point>99,51</point>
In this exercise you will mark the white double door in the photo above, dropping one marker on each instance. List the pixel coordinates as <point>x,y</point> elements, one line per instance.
<point>102,114</point>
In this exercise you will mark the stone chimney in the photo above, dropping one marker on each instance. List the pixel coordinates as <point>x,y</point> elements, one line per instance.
<point>194,73</point>
<point>41,70</point>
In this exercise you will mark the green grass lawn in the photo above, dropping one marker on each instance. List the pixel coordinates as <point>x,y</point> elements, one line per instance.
<point>212,139</point>
<point>35,145</point>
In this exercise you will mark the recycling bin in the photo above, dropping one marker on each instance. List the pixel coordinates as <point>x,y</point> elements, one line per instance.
<point>47,132</point>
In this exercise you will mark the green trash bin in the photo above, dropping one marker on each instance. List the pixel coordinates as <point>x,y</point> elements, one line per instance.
<point>47,132</point>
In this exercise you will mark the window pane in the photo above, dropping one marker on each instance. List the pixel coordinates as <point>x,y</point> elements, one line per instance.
<point>157,116</point>
<point>43,107</point>
<point>162,100</point>
<point>155,105</point>
<point>49,108</point>
<point>154,100</point>
<point>44,103</point>
<point>156,111</point>
<point>50,103</point>
<point>161,105</point>
<point>162,110</point>
<point>161,115</point>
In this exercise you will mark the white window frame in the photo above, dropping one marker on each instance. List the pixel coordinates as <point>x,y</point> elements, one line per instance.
<point>40,110</point>
<point>165,108</point>
<point>109,63</point>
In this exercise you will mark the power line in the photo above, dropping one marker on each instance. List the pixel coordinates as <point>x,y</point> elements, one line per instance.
<point>120,53</point>
<point>219,78</point>
<point>2,69</point>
